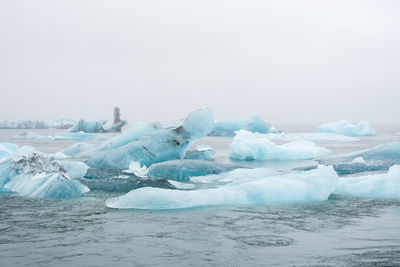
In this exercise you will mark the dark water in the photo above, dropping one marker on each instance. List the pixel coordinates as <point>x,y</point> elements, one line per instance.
<point>341,231</point>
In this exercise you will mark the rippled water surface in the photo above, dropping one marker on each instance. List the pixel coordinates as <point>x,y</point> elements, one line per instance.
<point>341,231</point>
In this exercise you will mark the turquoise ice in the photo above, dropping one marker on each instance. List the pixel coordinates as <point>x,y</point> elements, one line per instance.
<point>363,128</point>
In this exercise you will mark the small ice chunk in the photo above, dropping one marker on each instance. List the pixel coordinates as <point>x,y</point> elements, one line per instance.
<point>249,146</point>
<point>358,160</point>
<point>135,168</point>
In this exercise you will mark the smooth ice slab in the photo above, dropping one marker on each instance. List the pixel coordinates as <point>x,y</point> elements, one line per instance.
<point>386,185</point>
<point>363,128</point>
<point>182,170</point>
<point>315,185</point>
<point>88,126</point>
<point>253,124</point>
<point>161,145</point>
<point>250,146</point>
<point>7,149</point>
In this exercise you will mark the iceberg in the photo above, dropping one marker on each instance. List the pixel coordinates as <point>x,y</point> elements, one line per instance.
<point>181,170</point>
<point>118,180</point>
<point>36,175</point>
<point>7,150</point>
<point>363,128</point>
<point>253,124</point>
<point>249,146</point>
<point>161,145</point>
<point>386,185</point>
<point>378,158</point>
<point>311,137</point>
<point>88,126</point>
<point>37,124</point>
<point>81,136</point>
<point>137,131</point>
<point>200,153</point>
<point>314,185</point>
<point>118,123</point>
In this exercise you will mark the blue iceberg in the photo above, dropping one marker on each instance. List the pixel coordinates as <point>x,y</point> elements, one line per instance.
<point>253,124</point>
<point>363,128</point>
<point>314,185</point>
<point>200,153</point>
<point>182,170</point>
<point>36,175</point>
<point>88,126</point>
<point>386,185</point>
<point>250,146</point>
<point>161,145</point>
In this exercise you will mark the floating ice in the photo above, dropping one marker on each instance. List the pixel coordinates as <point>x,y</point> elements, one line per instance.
<point>363,128</point>
<point>81,136</point>
<point>315,185</point>
<point>117,180</point>
<point>136,169</point>
<point>310,137</point>
<point>74,169</point>
<point>249,146</point>
<point>37,124</point>
<point>7,149</point>
<point>182,170</point>
<point>36,175</point>
<point>88,126</point>
<point>135,132</point>
<point>118,123</point>
<point>200,153</point>
<point>253,124</point>
<point>378,158</point>
<point>385,185</point>
<point>161,145</point>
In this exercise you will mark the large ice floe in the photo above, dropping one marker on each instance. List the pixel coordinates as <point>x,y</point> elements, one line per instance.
<point>386,185</point>
<point>33,174</point>
<point>314,185</point>
<point>378,158</point>
<point>311,137</point>
<point>363,128</point>
<point>37,124</point>
<point>161,145</point>
<point>181,170</point>
<point>79,136</point>
<point>250,146</point>
<point>253,124</point>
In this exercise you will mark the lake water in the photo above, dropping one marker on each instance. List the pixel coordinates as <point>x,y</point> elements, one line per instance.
<point>341,231</point>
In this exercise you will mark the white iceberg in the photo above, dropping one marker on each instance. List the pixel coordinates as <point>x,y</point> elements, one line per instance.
<point>249,146</point>
<point>314,185</point>
<point>311,137</point>
<point>386,185</point>
<point>88,126</point>
<point>37,124</point>
<point>363,128</point>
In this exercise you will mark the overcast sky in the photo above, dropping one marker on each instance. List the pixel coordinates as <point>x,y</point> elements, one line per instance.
<point>290,61</point>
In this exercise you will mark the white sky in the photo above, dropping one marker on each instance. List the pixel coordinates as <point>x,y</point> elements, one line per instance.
<point>290,61</point>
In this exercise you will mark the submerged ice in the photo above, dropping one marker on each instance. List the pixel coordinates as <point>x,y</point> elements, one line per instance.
<point>363,128</point>
<point>314,185</point>
<point>161,145</point>
<point>250,146</point>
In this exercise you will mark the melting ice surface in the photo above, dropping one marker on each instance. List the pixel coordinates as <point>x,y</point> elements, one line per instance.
<point>33,174</point>
<point>161,145</point>
<point>386,185</point>
<point>363,128</point>
<point>250,146</point>
<point>377,158</point>
<point>314,185</point>
<point>253,124</point>
<point>182,170</point>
